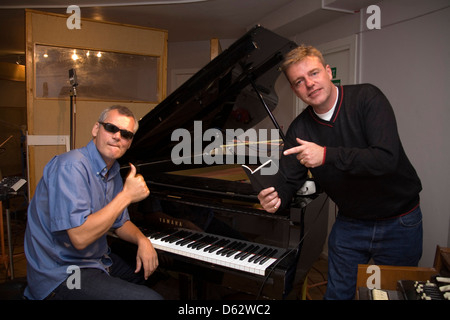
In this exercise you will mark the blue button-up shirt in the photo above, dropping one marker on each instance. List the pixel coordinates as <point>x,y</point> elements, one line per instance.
<point>73,186</point>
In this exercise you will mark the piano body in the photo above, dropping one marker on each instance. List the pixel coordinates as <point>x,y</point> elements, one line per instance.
<point>196,210</point>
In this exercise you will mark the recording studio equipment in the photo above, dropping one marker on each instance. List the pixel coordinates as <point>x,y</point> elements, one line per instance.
<point>9,186</point>
<point>437,288</point>
<point>73,77</point>
<point>205,219</point>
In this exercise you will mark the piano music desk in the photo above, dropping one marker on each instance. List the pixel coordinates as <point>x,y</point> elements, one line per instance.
<point>229,172</point>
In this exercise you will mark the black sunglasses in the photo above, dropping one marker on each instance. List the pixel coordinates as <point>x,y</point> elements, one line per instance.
<point>113,129</point>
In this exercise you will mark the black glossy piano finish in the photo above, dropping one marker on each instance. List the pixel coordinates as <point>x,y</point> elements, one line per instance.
<point>235,90</point>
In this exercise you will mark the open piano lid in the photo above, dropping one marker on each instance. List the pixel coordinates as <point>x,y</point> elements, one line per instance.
<point>220,95</point>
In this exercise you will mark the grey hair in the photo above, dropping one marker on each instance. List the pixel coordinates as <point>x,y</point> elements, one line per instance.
<point>123,111</point>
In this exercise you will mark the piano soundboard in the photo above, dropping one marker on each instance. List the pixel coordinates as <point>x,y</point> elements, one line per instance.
<point>228,252</point>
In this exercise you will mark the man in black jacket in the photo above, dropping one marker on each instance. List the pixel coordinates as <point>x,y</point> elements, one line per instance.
<point>347,138</point>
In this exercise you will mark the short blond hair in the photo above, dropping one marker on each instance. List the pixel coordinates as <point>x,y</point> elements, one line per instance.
<point>300,53</point>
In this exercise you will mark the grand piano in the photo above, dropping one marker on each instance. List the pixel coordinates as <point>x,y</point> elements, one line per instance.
<point>203,218</point>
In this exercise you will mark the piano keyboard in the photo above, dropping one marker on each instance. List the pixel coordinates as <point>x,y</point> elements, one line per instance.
<point>236,254</point>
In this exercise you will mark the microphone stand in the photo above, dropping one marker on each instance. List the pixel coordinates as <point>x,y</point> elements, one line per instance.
<point>73,107</point>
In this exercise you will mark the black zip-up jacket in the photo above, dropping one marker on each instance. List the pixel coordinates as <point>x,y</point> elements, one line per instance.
<point>365,171</point>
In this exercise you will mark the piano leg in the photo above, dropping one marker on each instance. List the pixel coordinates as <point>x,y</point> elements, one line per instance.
<point>186,286</point>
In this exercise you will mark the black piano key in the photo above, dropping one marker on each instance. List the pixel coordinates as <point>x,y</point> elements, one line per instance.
<point>152,234</point>
<point>174,236</point>
<point>273,253</point>
<point>210,245</point>
<point>201,243</point>
<point>160,234</point>
<point>238,248</point>
<point>264,259</point>
<point>185,239</point>
<point>249,251</point>
<point>169,239</point>
<point>163,236</point>
<point>244,251</point>
<point>245,255</point>
<point>257,255</point>
<point>231,249</point>
<point>268,256</point>
<point>217,246</point>
<point>223,243</point>
<point>228,248</point>
<point>223,249</point>
<point>257,260</point>
<point>213,248</point>
<point>194,244</point>
<point>269,253</point>
<point>195,239</point>
<point>189,239</point>
<point>206,242</point>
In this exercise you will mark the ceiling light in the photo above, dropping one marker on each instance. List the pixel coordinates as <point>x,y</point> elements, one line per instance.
<point>75,56</point>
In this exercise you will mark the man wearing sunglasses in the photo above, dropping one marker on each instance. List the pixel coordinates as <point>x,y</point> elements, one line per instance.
<point>80,198</point>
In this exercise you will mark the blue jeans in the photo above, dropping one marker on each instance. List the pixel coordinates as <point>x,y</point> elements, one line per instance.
<point>396,241</point>
<point>121,284</point>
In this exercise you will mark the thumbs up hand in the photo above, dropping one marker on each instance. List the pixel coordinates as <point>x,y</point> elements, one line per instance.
<point>135,185</point>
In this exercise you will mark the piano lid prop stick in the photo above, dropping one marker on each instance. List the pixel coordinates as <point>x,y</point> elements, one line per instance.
<point>268,110</point>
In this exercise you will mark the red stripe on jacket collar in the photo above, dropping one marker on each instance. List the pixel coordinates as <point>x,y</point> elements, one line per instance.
<point>341,98</point>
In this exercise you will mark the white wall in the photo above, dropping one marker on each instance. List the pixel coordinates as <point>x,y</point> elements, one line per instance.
<point>408,60</point>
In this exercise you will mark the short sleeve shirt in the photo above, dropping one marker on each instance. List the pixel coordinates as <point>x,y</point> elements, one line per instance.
<point>73,186</point>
